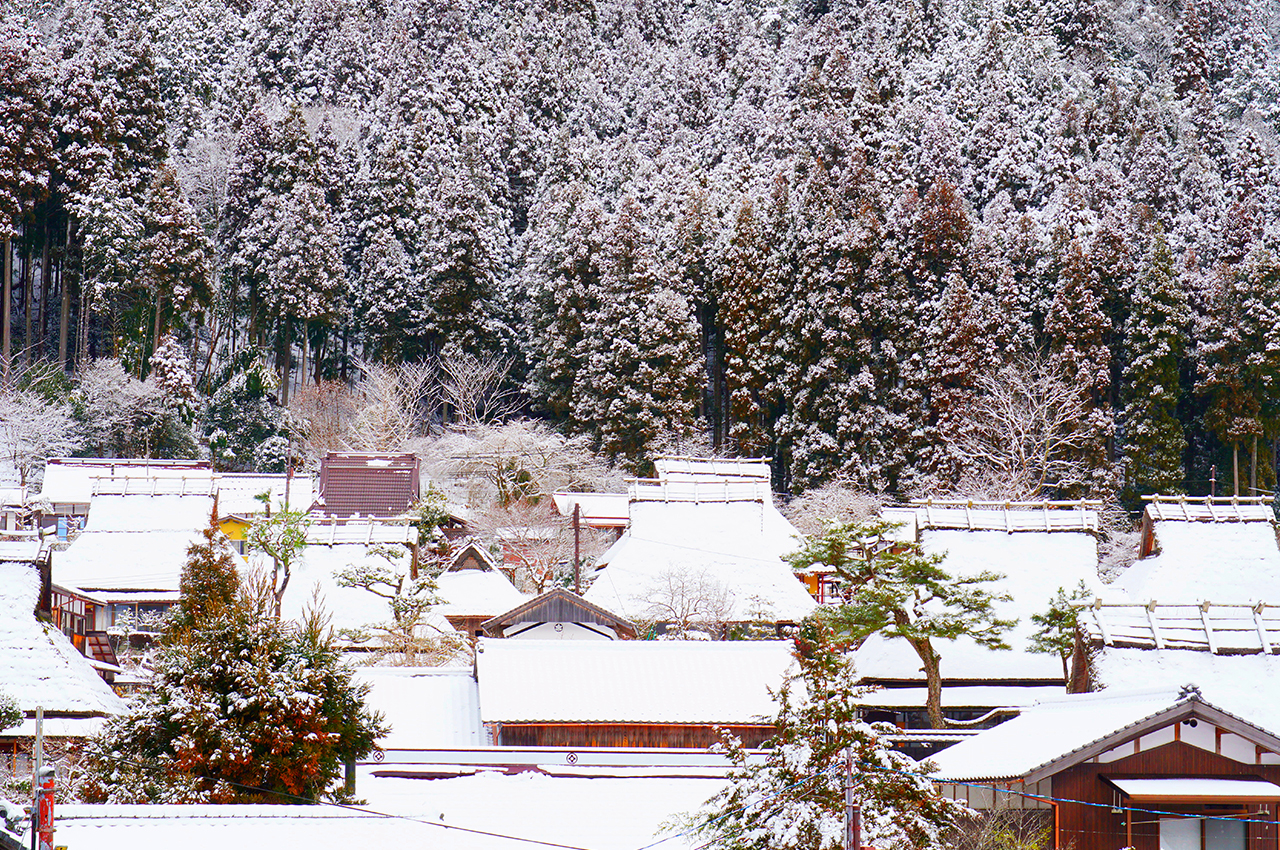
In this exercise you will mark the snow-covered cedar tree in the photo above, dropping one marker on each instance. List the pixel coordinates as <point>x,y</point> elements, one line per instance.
<point>1152,436</point>
<point>25,141</point>
<point>243,419</point>
<point>171,371</point>
<point>892,588</point>
<point>175,254</point>
<point>793,797</point>
<point>281,537</point>
<point>10,714</point>
<point>33,429</point>
<point>209,581</point>
<point>407,638</point>
<point>243,708</point>
<point>1056,628</point>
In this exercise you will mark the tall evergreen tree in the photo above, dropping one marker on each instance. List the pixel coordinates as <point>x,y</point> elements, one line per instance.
<point>1153,442</point>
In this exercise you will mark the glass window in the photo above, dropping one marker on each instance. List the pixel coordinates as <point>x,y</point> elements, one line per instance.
<point>1224,835</point>
<point>1180,833</point>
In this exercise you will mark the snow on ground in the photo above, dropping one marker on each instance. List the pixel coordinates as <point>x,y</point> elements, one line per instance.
<point>736,547</point>
<point>1034,566</point>
<point>600,814</point>
<point>1245,685</point>
<point>1220,562</point>
<point>427,707</point>
<point>630,681</point>
<point>38,665</point>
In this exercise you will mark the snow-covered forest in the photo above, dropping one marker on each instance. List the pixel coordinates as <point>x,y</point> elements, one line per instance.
<point>974,246</point>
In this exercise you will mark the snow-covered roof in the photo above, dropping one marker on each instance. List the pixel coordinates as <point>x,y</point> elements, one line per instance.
<point>38,665</point>
<point>1006,516</point>
<point>77,480</point>
<point>426,707</point>
<point>348,607</point>
<point>328,532</point>
<point>596,510</point>
<point>24,547</point>
<point>712,468</point>
<point>1220,562</point>
<point>238,491</point>
<point>630,681</point>
<point>1245,685</point>
<point>614,814</point>
<point>149,513</point>
<point>737,546</point>
<point>1175,788</point>
<point>476,593</point>
<point>695,489</point>
<point>1230,629</point>
<point>133,543</point>
<point>1049,732</point>
<point>124,560</point>
<point>1034,565</point>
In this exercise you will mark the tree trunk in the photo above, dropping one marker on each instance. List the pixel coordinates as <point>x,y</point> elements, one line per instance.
<point>306,346</point>
<point>28,278</point>
<point>8,294</point>
<point>42,300</point>
<point>284,353</point>
<point>1235,469</point>
<point>155,334</point>
<point>1253,468</point>
<point>64,317</point>
<point>933,678</point>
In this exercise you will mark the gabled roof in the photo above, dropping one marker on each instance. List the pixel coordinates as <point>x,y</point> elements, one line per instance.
<point>475,593</point>
<point>557,606</point>
<point>695,682</point>
<point>238,492</point>
<point>472,556</point>
<point>38,665</point>
<point>1057,734</point>
<point>367,484</point>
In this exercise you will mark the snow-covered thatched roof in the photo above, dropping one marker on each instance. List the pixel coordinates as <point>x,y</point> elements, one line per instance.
<point>133,542</point>
<point>38,665</point>
<point>734,544</point>
<point>78,480</point>
<point>238,492</point>
<point>630,681</point>
<point>1220,554</point>
<point>1034,565</point>
<point>1228,629</point>
<point>476,593</point>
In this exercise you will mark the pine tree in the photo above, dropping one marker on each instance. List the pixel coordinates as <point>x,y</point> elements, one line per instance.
<point>801,775</point>
<point>1153,442</point>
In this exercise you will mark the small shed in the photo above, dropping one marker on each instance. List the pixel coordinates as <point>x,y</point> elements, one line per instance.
<point>473,590</point>
<point>367,484</point>
<point>559,614</point>
<point>629,693</point>
<point>1142,769</point>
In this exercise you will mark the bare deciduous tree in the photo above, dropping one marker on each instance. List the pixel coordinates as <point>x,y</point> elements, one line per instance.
<point>475,389</point>
<point>835,502</point>
<point>325,411</point>
<point>1027,432</point>
<point>32,429</point>
<point>398,406</point>
<point>691,602</point>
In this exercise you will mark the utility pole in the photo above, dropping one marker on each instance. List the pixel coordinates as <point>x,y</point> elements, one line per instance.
<point>577,549</point>
<point>852,811</point>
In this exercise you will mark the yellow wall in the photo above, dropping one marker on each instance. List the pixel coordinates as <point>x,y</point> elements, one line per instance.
<point>234,528</point>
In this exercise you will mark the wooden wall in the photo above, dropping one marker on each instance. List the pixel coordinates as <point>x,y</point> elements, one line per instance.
<point>1083,827</point>
<point>624,735</point>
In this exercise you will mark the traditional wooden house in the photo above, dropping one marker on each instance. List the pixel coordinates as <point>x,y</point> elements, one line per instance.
<point>71,483</point>
<point>606,511</point>
<point>559,614</point>
<point>474,590</point>
<point>241,500</point>
<point>360,484</point>
<point>590,693</point>
<point>1151,770</point>
<point>40,668</point>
